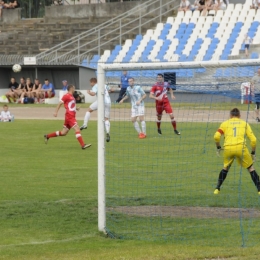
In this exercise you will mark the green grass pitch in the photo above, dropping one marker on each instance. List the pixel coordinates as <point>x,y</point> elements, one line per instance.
<point>48,195</point>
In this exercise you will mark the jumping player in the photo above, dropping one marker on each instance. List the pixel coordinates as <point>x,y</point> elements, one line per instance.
<point>70,121</point>
<point>159,93</point>
<point>94,106</point>
<point>137,97</point>
<point>235,130</point>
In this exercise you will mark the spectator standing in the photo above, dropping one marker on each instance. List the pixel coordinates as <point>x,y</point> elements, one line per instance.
<point>184,5</point>
<point>12,86</point>
<point>65,85</point>
<point>255,91</point>
<point>5,115</point>
<point>124,84</point>
<point>47,90</point>
<point>247,42</point>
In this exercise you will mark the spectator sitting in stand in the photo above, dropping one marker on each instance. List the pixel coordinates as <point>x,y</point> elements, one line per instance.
<point>47,90</point>
<point>36,91</point>
<point>27,91</point>
<point>207,7</point>
<point>2,6</point>
<point>198,5</point>
<point>18,92</point>
<point>255,4</point>
<point>10,95</point>
<point>65,85</point>
<point>218,5</point>
<point>5,115</point>
<point>12,4</point>
<point>184,5</point>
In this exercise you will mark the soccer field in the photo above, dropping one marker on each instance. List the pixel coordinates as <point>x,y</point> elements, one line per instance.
<point>48,195</point>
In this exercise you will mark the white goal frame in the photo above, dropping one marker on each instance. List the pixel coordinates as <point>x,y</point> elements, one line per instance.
<point>101,71</point>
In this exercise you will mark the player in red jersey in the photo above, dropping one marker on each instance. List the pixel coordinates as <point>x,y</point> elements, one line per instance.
<point>159,93</point>
<point>70,118</point>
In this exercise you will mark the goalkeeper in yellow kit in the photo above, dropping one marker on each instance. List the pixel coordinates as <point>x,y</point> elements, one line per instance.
<point>235,131</point>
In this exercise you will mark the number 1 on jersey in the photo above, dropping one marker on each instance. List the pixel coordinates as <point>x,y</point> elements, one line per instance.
<point>235,131</point>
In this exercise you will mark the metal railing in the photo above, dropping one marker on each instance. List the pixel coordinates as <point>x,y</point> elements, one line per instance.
<point>108,34</point>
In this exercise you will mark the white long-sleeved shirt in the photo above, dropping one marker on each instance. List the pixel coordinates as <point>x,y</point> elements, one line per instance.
<point>5,116</point>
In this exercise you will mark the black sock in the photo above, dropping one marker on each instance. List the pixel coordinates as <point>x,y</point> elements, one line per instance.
<point>222,176</point>
<point>255,179</point>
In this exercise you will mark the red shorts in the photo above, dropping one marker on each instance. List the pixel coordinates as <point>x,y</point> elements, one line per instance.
<point>47,95</point>
<point>163,106</point>
<point>70,122</point>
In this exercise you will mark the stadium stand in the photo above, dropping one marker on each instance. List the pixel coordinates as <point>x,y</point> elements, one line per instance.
<point>189,36</point>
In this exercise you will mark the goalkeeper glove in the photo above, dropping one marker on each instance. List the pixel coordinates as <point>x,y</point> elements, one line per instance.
<point>253,156</point>
<point>218,150</point>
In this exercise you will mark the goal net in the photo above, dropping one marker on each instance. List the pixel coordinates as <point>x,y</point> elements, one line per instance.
<point>162,187</point>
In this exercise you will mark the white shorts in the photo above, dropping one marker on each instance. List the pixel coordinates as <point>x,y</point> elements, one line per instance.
<point>107,110</point>
<point>137,111</point>
<point>94,105</point>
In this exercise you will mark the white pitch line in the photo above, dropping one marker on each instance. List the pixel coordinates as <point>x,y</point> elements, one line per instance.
<point>47,241</point>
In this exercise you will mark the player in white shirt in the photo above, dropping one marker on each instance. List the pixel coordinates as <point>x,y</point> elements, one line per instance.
<point>94,106</point>
<point>137,95</point>
<point>5,115</point>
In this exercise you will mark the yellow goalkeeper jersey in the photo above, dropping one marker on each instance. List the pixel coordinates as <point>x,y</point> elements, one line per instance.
<point>235,131</point>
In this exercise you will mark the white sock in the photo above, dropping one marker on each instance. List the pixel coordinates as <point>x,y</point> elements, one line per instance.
<point>86,118</point>
<point>143,124</point>
<point>137,128</point>
<point>107,126</point>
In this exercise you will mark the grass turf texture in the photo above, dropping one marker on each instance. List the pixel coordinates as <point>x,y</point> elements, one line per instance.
<point>48,195</point>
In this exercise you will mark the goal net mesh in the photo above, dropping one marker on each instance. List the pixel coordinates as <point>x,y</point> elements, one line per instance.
<point>161,187</point>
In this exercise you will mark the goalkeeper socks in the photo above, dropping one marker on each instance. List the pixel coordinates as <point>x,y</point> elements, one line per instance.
<point>174,124</point>
<point>80,139</point>
<point>158,124</point>
<point>55,134</point>
<point>222,176</point>
<point>255,179</point>
<point>137,128</point>
<point>86,118</point>
<point>107,126</point>
<point>143,124</point>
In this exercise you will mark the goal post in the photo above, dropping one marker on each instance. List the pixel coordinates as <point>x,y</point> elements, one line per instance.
<point>161,188</point>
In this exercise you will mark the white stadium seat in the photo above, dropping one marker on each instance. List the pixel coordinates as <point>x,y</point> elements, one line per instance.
<point>219,13</point>
<point>180,14</point>
<point>230,7</point>
<point>170,20</point>
<point>238,7</point>
<point>186,20</point>
<point>194,19</point>
<point>188,14</point>
<point>196,14</point>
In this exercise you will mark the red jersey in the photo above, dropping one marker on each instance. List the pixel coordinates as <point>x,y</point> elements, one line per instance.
<point>69,104</point>
<point>160,90</point>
